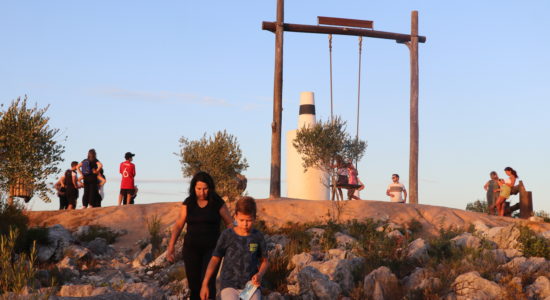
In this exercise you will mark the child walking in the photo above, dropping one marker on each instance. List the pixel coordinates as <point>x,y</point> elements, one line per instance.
<point>245,255</point>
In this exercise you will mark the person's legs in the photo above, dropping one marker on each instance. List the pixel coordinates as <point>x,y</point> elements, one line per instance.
<point>500,205</point>
<point>120,198</point>
<point>193,266</point>
<point>230,294</point>
<point>207,255</point>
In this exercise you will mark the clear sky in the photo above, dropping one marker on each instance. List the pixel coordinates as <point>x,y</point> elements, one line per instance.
<point>138,75</point>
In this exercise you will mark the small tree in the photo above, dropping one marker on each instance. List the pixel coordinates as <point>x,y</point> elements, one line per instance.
<point>218,155</point>
<point>323,142</point>
<point>480,206</point>
<point>29,150</point>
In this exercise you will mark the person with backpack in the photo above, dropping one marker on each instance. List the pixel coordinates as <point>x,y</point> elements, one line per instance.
<point>89,168</point>
<point>69,186</point>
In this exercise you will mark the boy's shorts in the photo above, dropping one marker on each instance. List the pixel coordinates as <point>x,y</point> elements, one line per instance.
<point>233,294</point>
<point>126,192</point>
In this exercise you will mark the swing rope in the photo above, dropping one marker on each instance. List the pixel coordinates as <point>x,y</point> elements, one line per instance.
<point>359,86</point>
<point>330,57</point>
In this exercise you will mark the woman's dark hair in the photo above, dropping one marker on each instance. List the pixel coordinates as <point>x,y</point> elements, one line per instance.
<point>246,206</point>
<point>206,178</point>
<point>512,171</point>
<point>92,156</point>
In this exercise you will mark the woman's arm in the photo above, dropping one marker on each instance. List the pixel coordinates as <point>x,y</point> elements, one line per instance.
<point>62,181</point>
<point>176,231</point>
<point>486,186</point>
<point>99,167</point>
<point>101,179</point>
<point>75,181</point>
<point>78,167</point>
<point>226,216</point>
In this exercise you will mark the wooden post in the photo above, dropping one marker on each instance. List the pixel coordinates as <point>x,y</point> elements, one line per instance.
<point>413,152</point>
<point>275,183</point>
<point>525,202</point>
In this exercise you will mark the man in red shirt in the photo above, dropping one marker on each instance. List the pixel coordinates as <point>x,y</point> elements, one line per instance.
<point>128,171</point>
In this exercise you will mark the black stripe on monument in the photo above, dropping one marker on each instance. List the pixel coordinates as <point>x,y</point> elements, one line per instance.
<point>307,109</point>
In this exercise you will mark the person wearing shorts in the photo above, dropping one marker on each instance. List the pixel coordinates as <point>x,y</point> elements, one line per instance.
<point>128,172</point>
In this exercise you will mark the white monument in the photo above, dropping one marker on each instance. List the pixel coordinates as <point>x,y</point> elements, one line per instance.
<point>310,185</point>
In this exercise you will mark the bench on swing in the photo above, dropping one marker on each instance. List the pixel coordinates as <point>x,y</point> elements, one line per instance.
<point>342,183</point>
<point>525,204</point>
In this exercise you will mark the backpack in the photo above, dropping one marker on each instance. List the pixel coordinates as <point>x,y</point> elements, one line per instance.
<point>86,167</point>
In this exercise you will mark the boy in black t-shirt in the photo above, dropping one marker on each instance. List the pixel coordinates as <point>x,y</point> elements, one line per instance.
<point>245,255</point>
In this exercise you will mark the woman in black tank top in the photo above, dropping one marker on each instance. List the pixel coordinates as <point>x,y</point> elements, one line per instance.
<point>203,212</point>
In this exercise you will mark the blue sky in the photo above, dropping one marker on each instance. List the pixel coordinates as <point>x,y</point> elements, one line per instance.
<point>138,75</point>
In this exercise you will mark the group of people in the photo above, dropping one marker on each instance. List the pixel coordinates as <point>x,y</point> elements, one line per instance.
<point>499,190</point>
<point>89,175</point>
<point>242,247</point>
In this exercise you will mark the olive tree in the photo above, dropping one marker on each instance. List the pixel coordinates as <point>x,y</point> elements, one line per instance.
<point>221,157</point>
<point>322,143</point>
<point>29,150</point>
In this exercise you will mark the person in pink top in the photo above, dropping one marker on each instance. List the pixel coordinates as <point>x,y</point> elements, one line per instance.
<point>128,172</point>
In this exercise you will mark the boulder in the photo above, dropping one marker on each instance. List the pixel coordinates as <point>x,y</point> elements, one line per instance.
<point>147,291</point>
<point>300,260</point>
<point>540,289</point>
<point>396,234</point>
<point>381,284</point>
<point>545,234</point>
<point>78,253</point>
<point>79,290</point>
<point>98,246</point>
<point>58,239</point>
<point>313,282</point>
<point>339,271</point>
<point>417,250</point>
<point>505,237</point>
<point>275,296</point>
<point>472,286</point>
<point>466,240</point>
<point>421,279</point>
<point>109,296</point>
<point>528,265</point>
<point>344,241</point>
<point>144,257</point>
<point>68,268</point>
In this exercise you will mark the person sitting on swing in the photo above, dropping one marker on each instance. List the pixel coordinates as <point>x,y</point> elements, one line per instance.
<point>354,184</point>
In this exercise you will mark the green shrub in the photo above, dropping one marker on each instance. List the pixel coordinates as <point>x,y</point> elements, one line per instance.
<point>532,244</point>
<point>12,216</point>
<point>441,247</point>
<point>544,215</point>
<point>16,271</point>
<point>96,231</point>
<point>154,227</point>
<point>478,206</point>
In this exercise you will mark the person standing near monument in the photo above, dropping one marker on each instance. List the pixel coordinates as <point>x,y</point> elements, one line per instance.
<point>128,172</point>
<point>396,190</point>
<point>492,188</point>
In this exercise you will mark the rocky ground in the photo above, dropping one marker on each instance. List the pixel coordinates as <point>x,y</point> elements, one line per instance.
<point>328,262</point>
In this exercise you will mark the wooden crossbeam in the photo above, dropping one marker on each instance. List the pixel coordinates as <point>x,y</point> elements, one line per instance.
<point>271,26</point>
<point>345,22</point>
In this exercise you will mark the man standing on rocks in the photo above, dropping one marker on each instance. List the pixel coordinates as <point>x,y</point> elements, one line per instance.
<point>396,189</point>
<point>128,172</point>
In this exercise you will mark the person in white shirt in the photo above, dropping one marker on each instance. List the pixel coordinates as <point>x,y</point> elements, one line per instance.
<point>396,190</point>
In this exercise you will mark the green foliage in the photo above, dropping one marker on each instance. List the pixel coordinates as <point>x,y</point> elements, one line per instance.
<point>28,146</point>
<point>544,215</point>
<point>414,226</point>
<point>441,247</point>
<point>323,142</point>
<point>478,206</point>
<point>532,244</point>
<point>96,231</point>
<point>219,155</point>
<point>16,271</point>
<point>12,216</point>
<point>154,227</point>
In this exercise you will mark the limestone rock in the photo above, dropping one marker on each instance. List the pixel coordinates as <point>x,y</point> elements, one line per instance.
<point>98,246</point>
<point>339,271</point>
<point>466,240</point>
<point>344,241</point>
<point>81,290</point>
<point>540,289</point>
<point>421,279</point>
<point>505,237</point>
<point>147,291</point>
<point>300,260</point>
<point>480,227</point>
<point>311,281</point>
<point>381,284</point>
<point>78,253</point>
<point>472,286</point>
<point>144,257</point>
<point>109,296</point>
<point>418,250</point>
<point>528,265</point>
<point>396,234</point>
